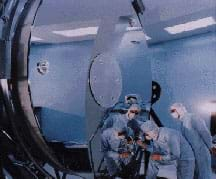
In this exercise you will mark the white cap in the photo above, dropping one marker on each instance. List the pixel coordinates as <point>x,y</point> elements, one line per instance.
<point>148,126</point>
<point>180,108</point>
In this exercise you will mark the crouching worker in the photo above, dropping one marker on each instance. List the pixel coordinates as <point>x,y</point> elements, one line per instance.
<point>169,146</point>
<point>117,148</point>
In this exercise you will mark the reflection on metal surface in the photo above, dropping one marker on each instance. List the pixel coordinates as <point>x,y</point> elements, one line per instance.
<point>43,67</point>
<point>105,74</point>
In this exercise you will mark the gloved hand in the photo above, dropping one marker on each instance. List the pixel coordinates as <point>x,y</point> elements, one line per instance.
<point>156,157</point>
<point>124,155</point>
<point>129,140</point>
<point>141,144</point>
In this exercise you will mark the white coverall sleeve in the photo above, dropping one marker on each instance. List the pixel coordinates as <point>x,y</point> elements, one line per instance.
<point>203,131</point>
<point>174,149</point>
<point>105,148</point>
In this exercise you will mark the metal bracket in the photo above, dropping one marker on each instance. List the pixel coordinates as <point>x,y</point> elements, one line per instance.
<point>138,6</point>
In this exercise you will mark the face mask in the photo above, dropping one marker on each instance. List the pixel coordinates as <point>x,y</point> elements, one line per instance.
<point>175,115</point>
<point>148,138</point>
<point>151,135</point>
<point>122,137</point>
<point>131,115</point>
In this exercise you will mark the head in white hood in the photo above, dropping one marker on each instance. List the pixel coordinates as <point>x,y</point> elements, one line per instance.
<point>178,110</point>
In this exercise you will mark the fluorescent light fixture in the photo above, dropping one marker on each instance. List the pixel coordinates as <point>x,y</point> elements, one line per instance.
<point>134,28</point>
<point>77,32</point>
<point>34,38</point>
<point>89,31</point>
<point>192,25</point>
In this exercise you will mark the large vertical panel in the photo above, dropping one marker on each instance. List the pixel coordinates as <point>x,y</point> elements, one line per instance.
<point>107,42</point>
<point>135,67</point>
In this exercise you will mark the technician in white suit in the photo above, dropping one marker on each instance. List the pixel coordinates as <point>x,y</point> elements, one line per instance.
<point>198,135</point>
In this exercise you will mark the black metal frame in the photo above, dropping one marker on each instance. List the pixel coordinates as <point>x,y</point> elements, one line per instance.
<point>7,17</point>
<point>89,81</point>
<point>213,124</point>
<point>17,99</point>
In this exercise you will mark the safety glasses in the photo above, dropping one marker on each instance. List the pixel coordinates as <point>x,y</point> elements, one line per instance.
<point>134,112</point>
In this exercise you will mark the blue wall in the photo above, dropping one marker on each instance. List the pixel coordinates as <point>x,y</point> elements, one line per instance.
<point>186,71</point>
<point>61,92</point>
<point>184,68</point>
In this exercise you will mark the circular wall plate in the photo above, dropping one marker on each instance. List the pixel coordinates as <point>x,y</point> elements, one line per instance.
<point>105,80</point>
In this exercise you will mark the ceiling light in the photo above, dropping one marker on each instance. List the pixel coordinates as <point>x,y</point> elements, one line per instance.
<point>134,28</point>
<point>78,32</point>
<point>34,38</point>
<point>90,31</point>
<point>192,25</point>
